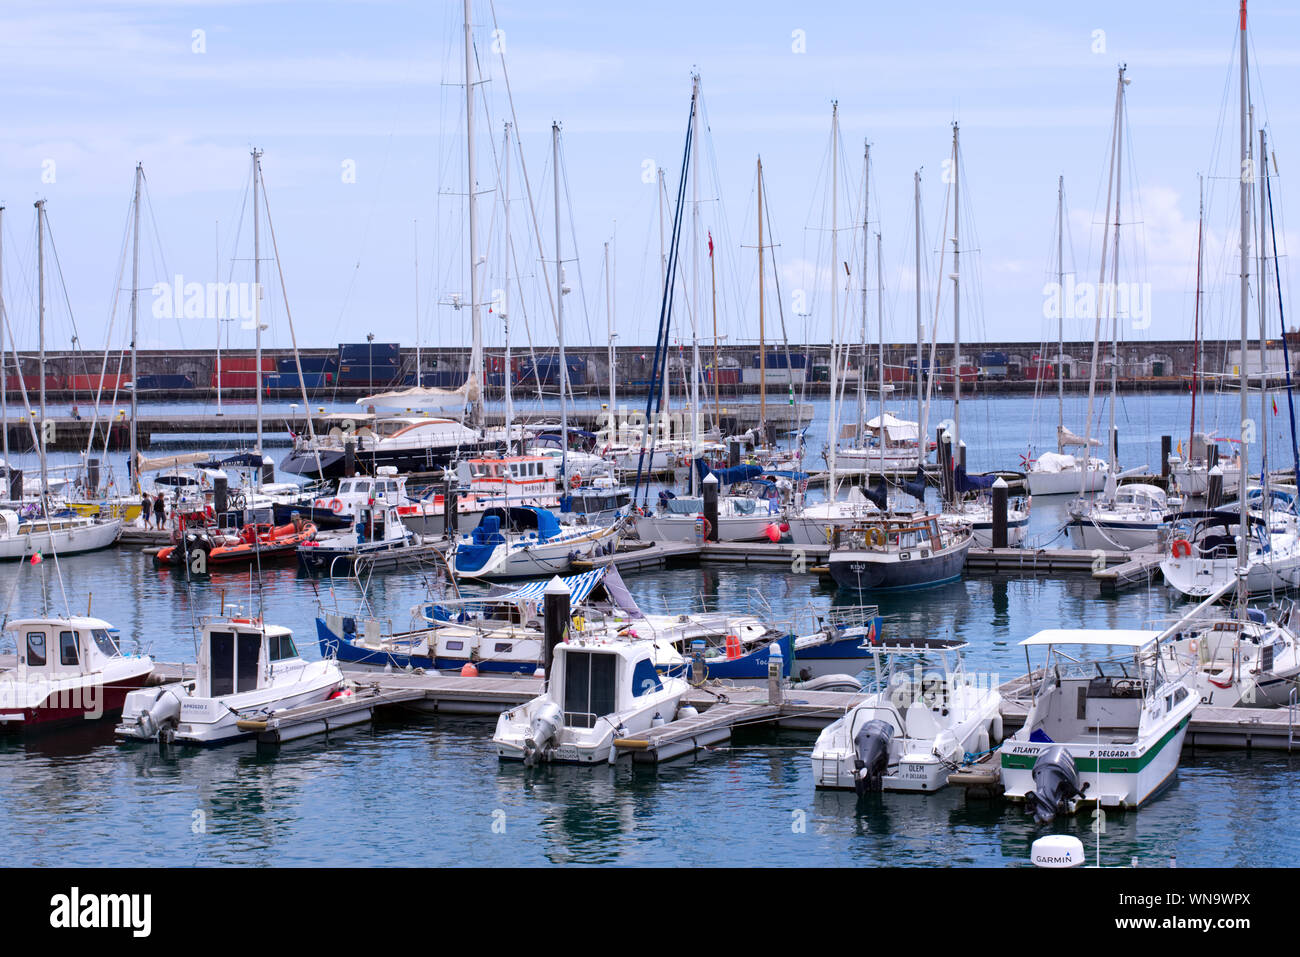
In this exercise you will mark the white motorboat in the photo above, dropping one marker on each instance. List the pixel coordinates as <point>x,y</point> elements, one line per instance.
<point>408,443</point>
<point>247,671</point>
<point>916,728</point>
<point>67,535</point>
<point>526,541</point>
<point>1102,730</point>
<point>977,515</point>
<point>65,670</point>
<point>597,690</point>
<point>1129,518</point>
<point>1192,475</point>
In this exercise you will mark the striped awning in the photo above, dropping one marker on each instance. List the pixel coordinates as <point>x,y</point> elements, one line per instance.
<point>580,586</point>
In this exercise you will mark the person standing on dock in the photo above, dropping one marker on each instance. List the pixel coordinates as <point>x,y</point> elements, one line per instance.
<point>159,511</point>
<point>146,507</point>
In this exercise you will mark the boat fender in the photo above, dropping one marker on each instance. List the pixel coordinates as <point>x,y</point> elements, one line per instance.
<point>1181,548</point>
<point>469,670</point>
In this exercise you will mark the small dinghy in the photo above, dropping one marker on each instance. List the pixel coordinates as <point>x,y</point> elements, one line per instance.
<point>915,729</point>
<point>260,542</point>
<point>247,672</point>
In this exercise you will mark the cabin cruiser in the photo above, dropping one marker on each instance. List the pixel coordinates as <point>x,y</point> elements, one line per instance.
<point>600,500</point>
<point>407,443</point>
<point>597,691</point>
<point>523,540</point>
<point>376,532</point>
<point>247,671</point>
<point>1104,730</point>
<point>25,536</point>
<point>1129,518</point>
<point>1204,545</point>
<point>65,670</point>
<point>899,551</point>
<point>916,728</point>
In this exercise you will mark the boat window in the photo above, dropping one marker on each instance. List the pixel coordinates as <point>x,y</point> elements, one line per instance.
<point>35,648</point>
<point>221,645</point>
<point>250,646</point>
<point>588,687</point>
<point>104,641</point>
<point>281,647</point>
<point>502,647</point>
<point>68,648</point>
<point>455,646</point>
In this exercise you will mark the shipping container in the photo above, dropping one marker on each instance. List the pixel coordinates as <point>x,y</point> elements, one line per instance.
<point>169,382</point>
<point>546,371</point>
<point>289,366</point>
<point>95,383</point>
<point>237,380</point>
<point>279,382</point>
<point>33,383</point>
<point>777,360</point>
<point>350,352</point>
<point>246,364</point>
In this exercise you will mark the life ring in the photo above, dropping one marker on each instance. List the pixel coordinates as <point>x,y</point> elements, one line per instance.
<point>336,506</point>
<point>876,537</point>
<point>1183,546</point>
<point>320,503</point>
<point>708,528</point>
<point>1193,647</point>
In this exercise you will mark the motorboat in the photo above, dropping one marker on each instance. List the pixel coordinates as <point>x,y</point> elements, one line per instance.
<point>255,542</point>
<point>65,670</point>
<point>893,446</point>
<point>917,726</point>
<point>1104,728</point>
<point>1128,518</point>
<point>597,691</point>
<point>524,541</point>
<point>27,536</point>
<point>1191,475</point>
<point>407,443</point>
<point>900,551</point>
<point>376,533</point>
<point>247,671</point>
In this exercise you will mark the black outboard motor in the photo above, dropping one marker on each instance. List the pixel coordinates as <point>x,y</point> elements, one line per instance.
<point>196,540</point>
<point>1056,781</point>
<point>871,745</point>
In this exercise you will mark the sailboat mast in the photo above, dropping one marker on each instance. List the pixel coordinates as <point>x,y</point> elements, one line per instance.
<point>505,293</point>
<point>695,279</point>
<point>1245,308</point>
<point>559,306</point>
<point>1060,310</point>
<point>663,269</point>
<point>135,319</point>
<point>40,308</point>
<point>956,302</point>
<point>862,380</point>
<point>1196,324</point>
<point>1263,331</point>
<point>4,385</point>
<point>717,393</point>
<point>762,334</point>
<point>921,441</point>
<point>476,320</point>
<point>835,282</point>
<point>257,301</point>
<point>880,320</point>
<point>1113,293</point>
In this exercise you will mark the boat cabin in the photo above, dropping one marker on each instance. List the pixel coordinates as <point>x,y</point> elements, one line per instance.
<point>240,654</point>
<point>593,679</point>
<point>62,647</point>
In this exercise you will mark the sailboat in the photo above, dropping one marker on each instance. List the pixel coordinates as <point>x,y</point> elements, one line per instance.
<point>1059,472</point>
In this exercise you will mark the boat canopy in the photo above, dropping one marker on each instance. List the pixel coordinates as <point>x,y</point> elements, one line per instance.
<point>728,476</point>
<point>523,517</point>
<point>895,429</point>
<point>971,483</point>
<point>579,586</point>
<point>1126,638</point>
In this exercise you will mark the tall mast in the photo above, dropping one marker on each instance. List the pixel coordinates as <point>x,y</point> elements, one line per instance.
<point>40,297</point>
<point>257,301</point>
<point>717,394</point>
<point>663,270</point>
<point>1060,309</point>
<point>921,441</point>
<point>1113,293</point>
<point>1263,331</point>
<point>476,320</point>
<point>835,282</point>
<point>762,332</point>
<point>956,302</point>
<point>415,245</point>
<point>880,320</point>
<point>862,380</point>
<point>1196,324</point>
<point>1245,308</point>
<point>135,319</point>
<point>559,306</point>
<point>505,294</point>
<point>609,325</point>
<point>695,278</point>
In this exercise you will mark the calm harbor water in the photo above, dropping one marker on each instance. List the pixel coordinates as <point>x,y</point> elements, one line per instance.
<point>430,791</point>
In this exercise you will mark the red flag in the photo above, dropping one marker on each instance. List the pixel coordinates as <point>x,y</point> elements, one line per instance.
<point>710,244</point>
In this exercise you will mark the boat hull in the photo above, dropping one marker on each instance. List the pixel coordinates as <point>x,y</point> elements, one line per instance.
<point>864,570</point>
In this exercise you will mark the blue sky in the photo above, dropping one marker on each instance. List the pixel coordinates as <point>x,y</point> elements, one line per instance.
<point>89,88</point>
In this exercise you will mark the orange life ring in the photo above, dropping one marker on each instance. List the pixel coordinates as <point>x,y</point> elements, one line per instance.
<point>336,506</point>
<point>708,528</point>
<point>1181,545</point>
<point>1193,647</point>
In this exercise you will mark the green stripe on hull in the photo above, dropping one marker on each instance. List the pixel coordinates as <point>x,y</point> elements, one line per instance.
<point>1129,765</point>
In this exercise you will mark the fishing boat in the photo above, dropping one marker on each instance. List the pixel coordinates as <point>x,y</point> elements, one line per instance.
<point>376,533</point>
<point>524,541</point>
<point>916,728</point>
<point>247,671</point>
<point>1129,518</point>
<point>900,551</point>
<point>65,670</point>
<point>597,690</point>
<point>1102,730</point>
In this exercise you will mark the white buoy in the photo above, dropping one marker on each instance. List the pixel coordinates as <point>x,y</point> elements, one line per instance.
<point>1057,850</point>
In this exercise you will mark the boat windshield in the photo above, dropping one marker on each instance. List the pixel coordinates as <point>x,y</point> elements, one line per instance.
<point>104,641</point>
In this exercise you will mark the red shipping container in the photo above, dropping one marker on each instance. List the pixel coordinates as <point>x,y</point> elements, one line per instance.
<point>245,364</point>
<point>33,383</point>
<point>237,380</point>
<point>91,383</point>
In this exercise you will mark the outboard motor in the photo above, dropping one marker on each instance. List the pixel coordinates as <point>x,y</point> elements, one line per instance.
<point>1056,781</point>
<point>162,715</point>
<point>871,745</point>
<point>543,730</point>
<point>196,539</point>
